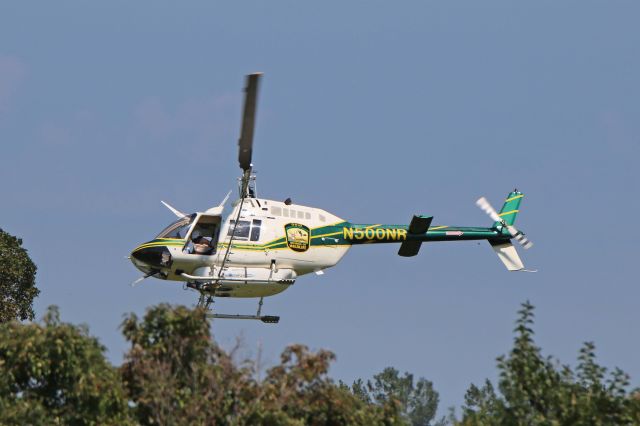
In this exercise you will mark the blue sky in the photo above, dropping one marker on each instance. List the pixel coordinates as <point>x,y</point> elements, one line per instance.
<point>398,108</point>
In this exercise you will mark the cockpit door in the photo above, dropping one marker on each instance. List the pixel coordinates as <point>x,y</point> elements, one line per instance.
<point>203,236</point>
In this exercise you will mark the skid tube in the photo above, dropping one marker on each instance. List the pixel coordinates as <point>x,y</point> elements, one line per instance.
<point>206,301</point>
<point>268,319</point>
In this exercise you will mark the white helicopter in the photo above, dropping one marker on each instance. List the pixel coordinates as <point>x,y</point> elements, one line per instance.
<point>262,246</point>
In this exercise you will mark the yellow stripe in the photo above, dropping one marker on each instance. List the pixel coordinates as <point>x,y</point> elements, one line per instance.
<point>310,248</point>
<point>162,243</point>
<point>331,224</point>
<point>275,240</point>
<point>239,244</point>
<point>514,198</point>
<point>251,246</point>
<point>227,238</point>
<point>326,235</point>
<point>438,227</point>
<point>275,243</point>
<point>236,246</point>
<point>508,213</point>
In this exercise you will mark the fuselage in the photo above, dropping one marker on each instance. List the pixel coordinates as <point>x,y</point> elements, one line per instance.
<point>273,243</point>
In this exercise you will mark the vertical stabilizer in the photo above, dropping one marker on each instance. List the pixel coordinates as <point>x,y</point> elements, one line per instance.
<point>510,208</point>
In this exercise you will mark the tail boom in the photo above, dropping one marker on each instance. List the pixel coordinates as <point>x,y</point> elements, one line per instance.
<point>379,233</point>
<point>411,236</point>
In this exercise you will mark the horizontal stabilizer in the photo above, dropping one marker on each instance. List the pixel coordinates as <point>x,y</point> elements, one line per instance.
<point>409,248</point>
<point>508,255</point>
<point>419,226</point>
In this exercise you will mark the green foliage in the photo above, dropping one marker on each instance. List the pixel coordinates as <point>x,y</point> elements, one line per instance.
<point>537,390</point>
<point>416,404</point>
<point>176,374</point>
<point>300,390</point>
<point>55,373</point>
<point>17,280</point>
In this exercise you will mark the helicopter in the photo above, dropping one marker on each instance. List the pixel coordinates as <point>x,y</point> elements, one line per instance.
<point>262,246</point>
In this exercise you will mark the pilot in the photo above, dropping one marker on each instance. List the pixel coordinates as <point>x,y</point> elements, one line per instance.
<point>201,245</point>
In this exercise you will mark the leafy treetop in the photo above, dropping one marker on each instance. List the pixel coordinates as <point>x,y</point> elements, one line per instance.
<point>17,280</point>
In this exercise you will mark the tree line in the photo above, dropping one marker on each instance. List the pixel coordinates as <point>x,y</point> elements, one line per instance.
<point>174,373</point>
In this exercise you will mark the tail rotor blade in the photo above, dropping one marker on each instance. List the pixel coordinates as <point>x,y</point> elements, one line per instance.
<point>520,238</point>
<point>488,209</point>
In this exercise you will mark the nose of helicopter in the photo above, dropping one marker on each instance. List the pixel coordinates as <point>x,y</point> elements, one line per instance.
<point>151,257</point>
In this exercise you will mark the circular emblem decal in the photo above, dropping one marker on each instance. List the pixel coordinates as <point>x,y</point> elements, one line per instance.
<point>297,236</point>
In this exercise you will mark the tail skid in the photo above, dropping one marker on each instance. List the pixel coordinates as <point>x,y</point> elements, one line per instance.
<point>509,256</point>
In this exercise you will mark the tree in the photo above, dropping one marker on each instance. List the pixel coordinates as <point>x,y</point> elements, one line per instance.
<point>537,390</point>
<point>55,373</point>
<point>176,374</point>
<point>298,391</point>
<point>17,280</point>
<point>416,403</point>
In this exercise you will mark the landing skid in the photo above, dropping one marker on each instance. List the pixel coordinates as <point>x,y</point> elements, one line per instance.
<point>269,319</point>
<point>206,301</point>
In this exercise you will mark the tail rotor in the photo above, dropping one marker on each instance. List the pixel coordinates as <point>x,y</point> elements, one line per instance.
<point>493,214</point>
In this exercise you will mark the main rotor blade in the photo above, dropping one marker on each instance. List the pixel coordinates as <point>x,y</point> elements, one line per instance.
<point>245,142</point>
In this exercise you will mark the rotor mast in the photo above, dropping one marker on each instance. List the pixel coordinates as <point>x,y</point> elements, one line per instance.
<point>245,151</point>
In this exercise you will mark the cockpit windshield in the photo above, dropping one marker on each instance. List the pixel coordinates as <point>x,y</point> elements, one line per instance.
<point>177,229</point>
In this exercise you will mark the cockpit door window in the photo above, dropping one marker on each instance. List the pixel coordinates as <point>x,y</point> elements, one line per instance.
<point>204,236</point>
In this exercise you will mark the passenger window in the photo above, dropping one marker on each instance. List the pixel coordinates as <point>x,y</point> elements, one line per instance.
<point>242,230</point>
<point>300,215</point>
<point>322,218</point>
<point>255,230</point>
<point>285,212</point>
<point>276,211</point>
<point>307,215</point>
